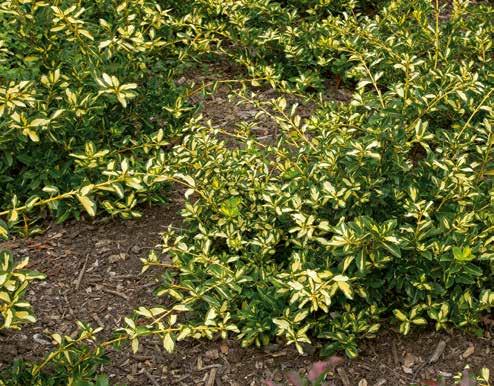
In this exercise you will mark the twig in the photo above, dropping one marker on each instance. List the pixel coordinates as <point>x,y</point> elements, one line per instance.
<point>98,320</point>
<point>143,357</point>
<point>212,377</point>
<point>150,377</point>
<point>124,277</point>
<point>217,366</point>
<point>434,358</point>
<point>81,274</point>
<point>113,292</point>
<point>68,305</point>
<point>343,376</point>
<point>395,354</point>
<point>182,378</point>
<point>438,352</point>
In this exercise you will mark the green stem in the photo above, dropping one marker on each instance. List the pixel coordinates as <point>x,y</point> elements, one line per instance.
<point>436,35</point>
<point>60,197</point>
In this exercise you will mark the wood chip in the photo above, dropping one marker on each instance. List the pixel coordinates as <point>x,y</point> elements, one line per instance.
<point>445,374</point>
<point>407,370</point>
<point>115,293</point>
<point>117,257</point>
<point>469,351</point>
<point>81,274</point>
<point>343,376</point>
<point>395,354</point>
<point>224,348</point>
<point>212,377</point>
<point>438,352</point>
<point>39,338</point>
<point>212,354</point>
<point>409,360</point>
<point>150,377</point>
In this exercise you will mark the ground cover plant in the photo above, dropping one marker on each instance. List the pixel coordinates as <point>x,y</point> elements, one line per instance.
<point>14,280</point>
<point>370,212</point>
<point>378,207</point>
<point>84,86</point>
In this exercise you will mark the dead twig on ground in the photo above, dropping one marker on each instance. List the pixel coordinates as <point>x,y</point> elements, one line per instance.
<point>113,292</point>
<point>150,377</point>
<point>212,376</point>
<point>434,358</point>
<point>343,376</point>
<point>81,274</point>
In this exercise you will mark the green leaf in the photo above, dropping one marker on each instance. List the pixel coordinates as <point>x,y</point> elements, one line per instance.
<point>405,328</point>
<point>282,323</point>
<point>168,343</point>
<point>86,189</point>
<point>135,345</point>
<point>51,189</point>
<point>102,380</point>
<point>88,204</point>
<point>32,201</point>
<point>188,179</point>
<point>463,255</point>
<point>400,315</point>
<point>393,249</point>
<point>4,230</point>
<point>8,318</point>
<point>181,307</point>
<point>329,349</point>
<point>346,289</point>
<point>351,352</point>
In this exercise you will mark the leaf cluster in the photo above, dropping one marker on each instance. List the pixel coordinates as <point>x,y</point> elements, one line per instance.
<point>14,280</point>
<point>83,87</point>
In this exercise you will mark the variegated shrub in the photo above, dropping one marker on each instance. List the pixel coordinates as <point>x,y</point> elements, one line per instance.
<point>380,207</point>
